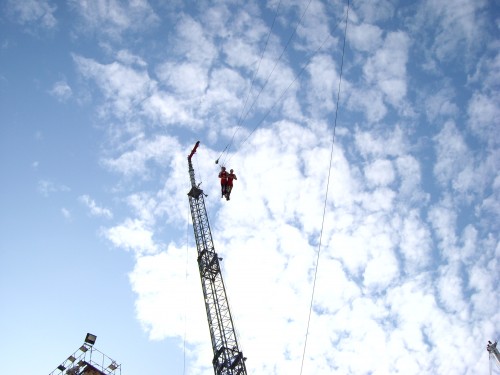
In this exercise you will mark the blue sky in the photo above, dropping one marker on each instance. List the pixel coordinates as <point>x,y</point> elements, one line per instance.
<point>102,101</point>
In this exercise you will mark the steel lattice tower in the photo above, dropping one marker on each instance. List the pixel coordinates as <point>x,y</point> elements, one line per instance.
<point>228,359</point>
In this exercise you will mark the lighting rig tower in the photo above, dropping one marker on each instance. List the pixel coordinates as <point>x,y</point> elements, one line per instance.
<point>87,360</point>
<point>228,359</point>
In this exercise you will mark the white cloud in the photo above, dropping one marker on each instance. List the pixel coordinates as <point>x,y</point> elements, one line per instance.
<point>491,202</point>
<point>66,213</point>
<point>324,82</point>
<point>443,218</point>
<point>365,37</point>
<point>369,101</point>
<point>377,10</point>
<point>193,43</point>
<point>452,153</point>
<point>128,58</point>
<point>184,78</point>
<point>380,173</point>
<point>112,18</point>
<point>483,282</point>
<point>144,205</point>
<point>484,113</point>
<point>410,173</point>
<point>421,323</point>
<point>386,69</point>
<point>61,90</point>
<point>274,80</point>
<point>383,258</point>
<point>459,26</point>
<point>39,12</point>
<point>441,103</point>
<point>314,29</point>
<point>121,85</point>
<point>450,288</point>
<point>132,235</point>
<point>487,72</point>
<point>46,187</point>
<point>171,277</point>
<point>168,109</point>
<point>416,243</point>
<point>243,34</point>
<point>387,142</point>
<point>135,162</point>
<point>95,210</point>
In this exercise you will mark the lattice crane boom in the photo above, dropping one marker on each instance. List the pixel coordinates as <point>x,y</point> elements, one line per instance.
<point>228,359</point>
<point>494,353</point>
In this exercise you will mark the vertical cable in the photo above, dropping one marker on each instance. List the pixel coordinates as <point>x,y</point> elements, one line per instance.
<point>185,290</point>
<point>326,194</point>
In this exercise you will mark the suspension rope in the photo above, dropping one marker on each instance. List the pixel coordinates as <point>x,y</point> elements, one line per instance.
<point>240,120</point>
<point>270,74</point>
<point>326,194</point>
<point>302,70</point>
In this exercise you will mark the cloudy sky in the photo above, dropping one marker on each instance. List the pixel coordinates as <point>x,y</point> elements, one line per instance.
<point>366,222</point>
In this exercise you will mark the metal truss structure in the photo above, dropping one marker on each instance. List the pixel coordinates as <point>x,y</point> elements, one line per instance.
<point>87,360</point>
<point>228,359</point>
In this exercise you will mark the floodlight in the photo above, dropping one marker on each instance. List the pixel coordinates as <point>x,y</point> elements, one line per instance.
<point>61,367</point>
<point>90,338</point>
<point>113,366</point>
<point>83,348</point>
<point>71,358</point>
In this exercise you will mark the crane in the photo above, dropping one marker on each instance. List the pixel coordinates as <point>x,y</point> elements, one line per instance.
<point>494,353</point>
<point>228,359</point>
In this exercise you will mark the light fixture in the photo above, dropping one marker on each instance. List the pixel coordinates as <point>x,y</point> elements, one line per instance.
<point>83,348</point>
<point>71,358</point>
<point>90,339</point>
<point>113,366</point>
<point>61,367</point>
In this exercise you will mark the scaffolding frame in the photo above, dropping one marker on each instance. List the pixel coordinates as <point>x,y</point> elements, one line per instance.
<point>86,358</point>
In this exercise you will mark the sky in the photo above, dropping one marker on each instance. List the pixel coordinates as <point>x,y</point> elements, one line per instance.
<point>362,234</point>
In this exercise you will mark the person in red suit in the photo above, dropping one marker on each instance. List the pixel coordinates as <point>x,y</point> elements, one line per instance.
<point>230,177</point>
<point>223,181</point>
